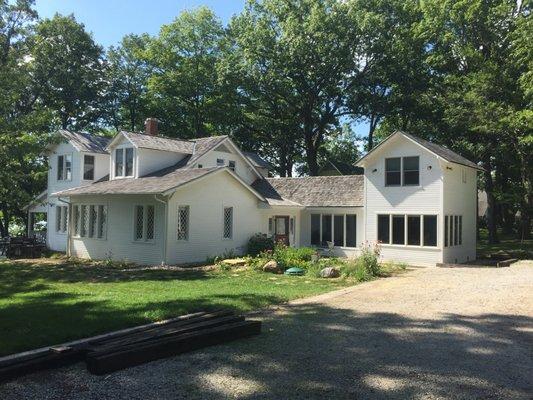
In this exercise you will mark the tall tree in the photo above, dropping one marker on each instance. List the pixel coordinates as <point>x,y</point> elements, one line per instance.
<point>184,90</point>
<point>68,70</point>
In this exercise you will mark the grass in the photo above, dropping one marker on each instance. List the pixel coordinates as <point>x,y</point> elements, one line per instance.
<point>507,243</point>
<point>52,301</point>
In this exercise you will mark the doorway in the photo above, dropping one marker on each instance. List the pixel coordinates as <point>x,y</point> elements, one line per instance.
<point>281,229</point>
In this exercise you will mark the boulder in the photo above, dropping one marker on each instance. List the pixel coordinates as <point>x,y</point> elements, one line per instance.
<point>330,272</point>
<point>271,266</point>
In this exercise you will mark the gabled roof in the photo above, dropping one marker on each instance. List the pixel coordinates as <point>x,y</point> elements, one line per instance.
<point>143,141</point>
<point>313,191</point>
<point>85,142</point>
<point>438,150</point>
<point>256,160</point>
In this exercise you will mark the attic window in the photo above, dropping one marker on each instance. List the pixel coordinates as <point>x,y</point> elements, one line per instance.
<point>220,162</point>
<point>124,162</point>
<point>88,167</point>
<point>402,171</point>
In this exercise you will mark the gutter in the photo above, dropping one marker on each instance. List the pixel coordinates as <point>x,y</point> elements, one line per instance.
<point>165,227</point>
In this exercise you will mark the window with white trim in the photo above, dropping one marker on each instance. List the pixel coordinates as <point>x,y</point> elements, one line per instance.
<point>144,223</point>
<point>88,167</point>
<point>61,219</point>
<point>227,232</point>
<point>232,165</point>
<point>339,229</point>
<point>402,171</point>
<point>124,162</point>
<point>183,223</point>
<point>89,221</point>
<point>411,230</point>
<point>64,167</point>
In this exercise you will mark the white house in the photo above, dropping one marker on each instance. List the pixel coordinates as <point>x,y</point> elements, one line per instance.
<point>159,200</point>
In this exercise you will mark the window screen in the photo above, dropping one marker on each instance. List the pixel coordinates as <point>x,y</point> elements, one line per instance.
<point>338,232</point>
<point>129,162</point>
<point>398,229</point>
<point>384,228</point>
<point>315,229</point>
<point>351,224</point>
<point>413,230</point>
<point>430,230</point>
<point>393,171</point>
<point>326,229</point>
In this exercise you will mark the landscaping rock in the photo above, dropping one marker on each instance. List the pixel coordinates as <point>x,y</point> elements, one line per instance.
<point>235,262</point>
<point>271,266</point>
<point>330,272</point>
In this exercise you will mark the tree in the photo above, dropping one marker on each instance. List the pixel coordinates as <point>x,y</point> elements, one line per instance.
<point>127,78</point>
<point>184,90</point>
<point>68,70</point>
<point>303,56</point>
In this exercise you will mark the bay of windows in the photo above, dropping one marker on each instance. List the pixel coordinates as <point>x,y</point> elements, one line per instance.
<point>402,171</point>
<point>339,229</point>
<point>404,229</point>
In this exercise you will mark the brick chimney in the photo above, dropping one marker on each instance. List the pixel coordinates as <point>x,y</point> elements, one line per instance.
<point>150,126</point>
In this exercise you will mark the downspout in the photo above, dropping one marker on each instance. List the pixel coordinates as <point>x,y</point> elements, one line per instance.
<point>165,227</point>
<point>69,204</point>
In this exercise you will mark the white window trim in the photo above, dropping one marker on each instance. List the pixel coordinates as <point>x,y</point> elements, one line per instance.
<point>83,167</point>
<point>188,223</point>
<point>224,207</point>
<point>411,246</point>
<point>64,179</point>
<point>124,176</point>
<point>97,223</point>
<point>145,224</point>
<point>333,214</point>
<point>402,184</point>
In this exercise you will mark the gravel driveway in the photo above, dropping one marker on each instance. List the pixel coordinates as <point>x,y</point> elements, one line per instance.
<point>427,334</point>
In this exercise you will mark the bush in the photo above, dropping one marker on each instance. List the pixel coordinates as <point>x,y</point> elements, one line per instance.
<point>259,243</point>
<point>288,257</point>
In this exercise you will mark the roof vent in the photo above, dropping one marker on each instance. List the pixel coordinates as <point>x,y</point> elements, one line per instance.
<point>150,126</point>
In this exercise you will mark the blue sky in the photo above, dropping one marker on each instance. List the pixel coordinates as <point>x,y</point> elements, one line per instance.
<point>110,20</point>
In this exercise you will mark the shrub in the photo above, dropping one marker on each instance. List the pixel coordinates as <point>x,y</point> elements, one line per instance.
<point>288,257</point>
<point>369,259</point>
<point>259,243</point>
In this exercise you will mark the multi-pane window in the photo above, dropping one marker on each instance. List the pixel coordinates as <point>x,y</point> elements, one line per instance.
<point>183,223</point>
<point>227,231</point>
<point>144,223</point>
<point>454,230</point>
<point>88,167</point>
<point>64,167</point>
<point>413,230</point>
<point>124,162</point>
<point>340,229</point>
<point>402,171</point>
<point>61,219</point>
<point>90,220</point>
<point>231,165</point>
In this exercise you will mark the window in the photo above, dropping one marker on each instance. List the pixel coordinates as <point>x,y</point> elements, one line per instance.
<point>460,229</point>
<point>411,173</point>
<point>84,221</point>
<point>270,226</point>
<point>451,230</point>
<point>200,166</point>
<point>93,220</point>
<point>183,223</point>
<point>291,226</point>
<point>398,229</point>
<point>144,221</point>
<point>124,162</point>
<point>338,227</point>
<point>76,220</point>
<point>413,230</point>
<point>384,228</point>
<point>90,220</point>
<point>326,229</point>
<point>231,165</point>
<point>220,162</point>
<point>61,219</point>
<point>227,232</point>
<point>393,168</point>
<point>88,168</point>
<point>64,167</point>
<point>456,230</point>
<point>351,225</point>
<point>315,229</point>
<point>446,231</point>
<point>102,221</point>
<point>430,230</point>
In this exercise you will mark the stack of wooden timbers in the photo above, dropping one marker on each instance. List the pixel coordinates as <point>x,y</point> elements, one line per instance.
<point>133,346</point>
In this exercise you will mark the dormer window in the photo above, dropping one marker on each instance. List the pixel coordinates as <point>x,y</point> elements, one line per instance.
<point>402,171</point>
<point>124,162</point>
<point>64,167</point>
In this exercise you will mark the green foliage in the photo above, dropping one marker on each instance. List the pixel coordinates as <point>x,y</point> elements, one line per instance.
<point>259,243</point>
<point>288,257</point>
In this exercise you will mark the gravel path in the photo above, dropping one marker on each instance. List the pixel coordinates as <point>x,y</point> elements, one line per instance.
<point>427,334</point>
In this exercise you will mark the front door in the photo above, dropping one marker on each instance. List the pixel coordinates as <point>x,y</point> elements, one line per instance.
<point>282,230</point>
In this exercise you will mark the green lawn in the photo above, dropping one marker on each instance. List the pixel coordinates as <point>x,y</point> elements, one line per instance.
<point>44,304</point>
<point>508,243</point>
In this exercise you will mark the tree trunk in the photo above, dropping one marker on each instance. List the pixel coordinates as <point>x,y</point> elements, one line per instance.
<point>491,203</point>
<point>311,154</point>
<point>373,125</point>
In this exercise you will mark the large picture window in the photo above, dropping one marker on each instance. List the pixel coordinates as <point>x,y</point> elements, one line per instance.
<point>398,229</point>
<point>326,229</point>
<point>430,230</point>
<point>416,235</point>
<point>338,226</point>
<point>315,229</point>
<point>339,229</point>
<point>413,230</point>
<point>384,228</point>
<point>351,230</point>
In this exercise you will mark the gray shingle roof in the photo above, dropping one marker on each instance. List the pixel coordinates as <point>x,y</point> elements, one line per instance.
<point>160,143</point>
<point>313,191</point>
<point>150,184</point>
<point>256,160</point>
<point>86,142</point>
